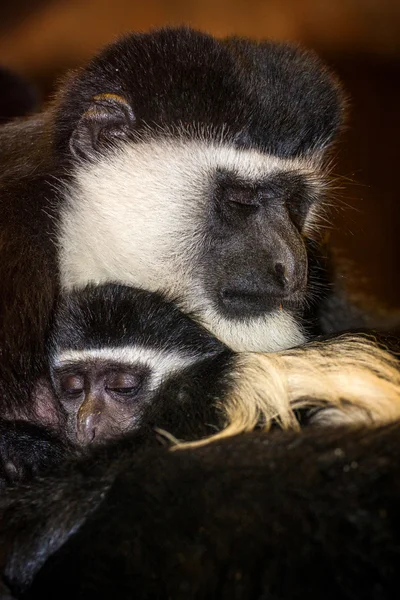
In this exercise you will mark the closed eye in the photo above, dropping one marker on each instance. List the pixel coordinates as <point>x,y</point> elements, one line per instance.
<point>125,391</point>
<point>74,392</point>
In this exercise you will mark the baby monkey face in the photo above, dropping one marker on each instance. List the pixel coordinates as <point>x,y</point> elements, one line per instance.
<point>101,400</point>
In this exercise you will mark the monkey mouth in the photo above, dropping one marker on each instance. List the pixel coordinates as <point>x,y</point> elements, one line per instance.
<point>238,304</point>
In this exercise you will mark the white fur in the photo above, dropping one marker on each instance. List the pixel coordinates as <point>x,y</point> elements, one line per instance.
<point>137,216</point>
<point>277,329</point>
<point>161,363</point>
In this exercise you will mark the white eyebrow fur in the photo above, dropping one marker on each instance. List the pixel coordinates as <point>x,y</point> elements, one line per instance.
<point>162,363</point>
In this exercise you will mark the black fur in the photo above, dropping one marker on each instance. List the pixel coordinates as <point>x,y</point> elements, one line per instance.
<point>115,315</point>
<point>188,403</point>
<point>311,515</point>
<point>270,96</point>
<point>109,316</point>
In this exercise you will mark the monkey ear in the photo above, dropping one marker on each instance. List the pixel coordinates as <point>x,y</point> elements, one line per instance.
<point>45,405</point>
<point>108,119</point>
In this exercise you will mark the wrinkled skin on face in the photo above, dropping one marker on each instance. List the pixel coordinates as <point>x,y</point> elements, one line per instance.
<point>100,400</point>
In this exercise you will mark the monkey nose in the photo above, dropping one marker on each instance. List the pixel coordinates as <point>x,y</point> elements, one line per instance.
<point>87,425</point>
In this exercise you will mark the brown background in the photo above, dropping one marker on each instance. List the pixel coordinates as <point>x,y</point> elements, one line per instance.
<point>360,39</point>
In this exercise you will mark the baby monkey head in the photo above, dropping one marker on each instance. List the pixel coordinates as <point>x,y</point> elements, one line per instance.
<point>112,350</point>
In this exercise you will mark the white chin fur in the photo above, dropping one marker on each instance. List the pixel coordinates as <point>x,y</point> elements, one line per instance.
<point>269,333</point>
<point>137,217</point>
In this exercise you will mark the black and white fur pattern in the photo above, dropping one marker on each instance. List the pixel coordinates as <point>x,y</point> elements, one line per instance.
<point>119,492</point>
<point>102,334</point>
<point>120,327</point>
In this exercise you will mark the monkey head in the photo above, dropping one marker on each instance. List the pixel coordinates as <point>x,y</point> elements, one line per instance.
<point>113,349</point>
<point>196,168</point>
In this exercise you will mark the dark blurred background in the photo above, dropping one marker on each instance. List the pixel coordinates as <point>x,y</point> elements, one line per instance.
<point>360,40</point>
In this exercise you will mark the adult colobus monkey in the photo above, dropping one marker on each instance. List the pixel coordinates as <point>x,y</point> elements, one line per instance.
<point>310,515</point>
<point>123,359</point>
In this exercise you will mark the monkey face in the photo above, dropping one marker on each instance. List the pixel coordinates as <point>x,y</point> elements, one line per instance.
<point>101,400</point>
<point>256,257</point>
<point>222,230</point>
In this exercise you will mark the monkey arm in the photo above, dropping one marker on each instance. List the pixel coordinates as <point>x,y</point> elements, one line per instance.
<point>26,450</point>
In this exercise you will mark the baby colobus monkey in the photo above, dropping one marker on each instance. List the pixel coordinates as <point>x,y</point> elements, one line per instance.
<point>120,357</point>
<point>101,398</point>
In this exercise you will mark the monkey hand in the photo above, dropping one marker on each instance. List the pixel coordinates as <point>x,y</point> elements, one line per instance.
<point>27,450</point>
